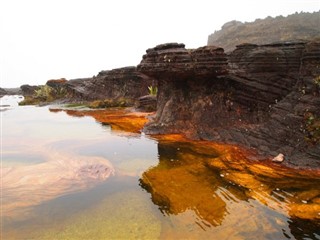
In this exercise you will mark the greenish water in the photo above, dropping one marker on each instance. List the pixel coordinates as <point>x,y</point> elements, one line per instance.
<point>159,189</point>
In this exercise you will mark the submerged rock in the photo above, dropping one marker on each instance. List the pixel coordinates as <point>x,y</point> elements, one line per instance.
<point>62,173</point>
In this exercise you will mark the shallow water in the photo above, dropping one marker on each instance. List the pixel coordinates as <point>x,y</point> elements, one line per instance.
<point>65,175</point>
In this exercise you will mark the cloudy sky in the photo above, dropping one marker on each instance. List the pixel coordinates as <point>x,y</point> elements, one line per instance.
<point>48,39</point>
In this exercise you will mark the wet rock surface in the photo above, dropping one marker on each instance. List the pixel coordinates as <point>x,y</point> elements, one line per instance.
<point>257,96</point>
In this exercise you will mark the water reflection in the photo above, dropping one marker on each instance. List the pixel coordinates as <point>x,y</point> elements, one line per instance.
<point>48,154</point>
<point>55,164</point>
<point>227,191</point>
<point>119,119</point>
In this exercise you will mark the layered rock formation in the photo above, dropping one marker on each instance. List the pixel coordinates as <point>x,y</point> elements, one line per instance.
<point>117,83</point>
<point>258,96</point>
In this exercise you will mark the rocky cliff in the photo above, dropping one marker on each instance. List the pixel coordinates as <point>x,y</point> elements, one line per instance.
<point>263,97</point>
<point>298,26</point>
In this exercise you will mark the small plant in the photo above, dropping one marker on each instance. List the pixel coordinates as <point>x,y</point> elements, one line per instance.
<point>316,81</point>
<point>109,103</point>
<point>28,100</point>
<point>75,105</point>
<point>312,127</point>
<point>153,90</point>
<point>44,93</point>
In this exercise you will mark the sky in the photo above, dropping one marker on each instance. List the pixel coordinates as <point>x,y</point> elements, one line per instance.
<point>51,39</point>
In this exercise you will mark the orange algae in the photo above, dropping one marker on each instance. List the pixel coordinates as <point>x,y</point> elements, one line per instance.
<point>190,174</point>
<point>191,179</point>
<point>119,119</point>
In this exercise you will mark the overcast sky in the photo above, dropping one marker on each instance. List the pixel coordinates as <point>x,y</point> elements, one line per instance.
<point>49,39</point>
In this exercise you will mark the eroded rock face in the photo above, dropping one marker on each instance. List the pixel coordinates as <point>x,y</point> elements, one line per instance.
<point>173,62</point>
<point>258,98</point>
<point>117,83</point>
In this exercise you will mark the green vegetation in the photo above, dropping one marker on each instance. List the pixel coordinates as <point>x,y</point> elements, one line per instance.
<point>75,105</point>
<point>312,127</point>
<point>298,26</point>
<point>153,90</point>
<point>29,100</point>
<point>44,93</point>
<point>108,103</point>
<point>316,81</point>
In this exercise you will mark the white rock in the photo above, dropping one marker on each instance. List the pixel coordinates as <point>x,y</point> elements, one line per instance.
<point>278,158</point>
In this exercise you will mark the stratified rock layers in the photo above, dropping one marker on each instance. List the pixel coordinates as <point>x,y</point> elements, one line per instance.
<point>117,83</point>
<point>258,96</point>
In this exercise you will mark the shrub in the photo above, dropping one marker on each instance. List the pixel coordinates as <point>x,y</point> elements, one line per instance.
<point>44,93</point>
<point>29,100</point>
<point>153,90</point>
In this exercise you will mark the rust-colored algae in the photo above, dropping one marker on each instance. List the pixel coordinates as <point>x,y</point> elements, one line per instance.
<point>190,174</point>
<point>119,119</point>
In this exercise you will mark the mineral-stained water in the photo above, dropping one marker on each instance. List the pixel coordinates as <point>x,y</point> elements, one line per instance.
<point>67,176</point>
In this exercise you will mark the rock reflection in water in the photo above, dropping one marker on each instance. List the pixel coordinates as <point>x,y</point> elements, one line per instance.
<point>122,119</point>
<point>224,189</point>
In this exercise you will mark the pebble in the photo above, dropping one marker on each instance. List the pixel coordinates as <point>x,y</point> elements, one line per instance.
<point>278,158</point>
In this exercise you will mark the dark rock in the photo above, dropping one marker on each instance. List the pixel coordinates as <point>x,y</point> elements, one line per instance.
<point>117,83</point>
<point>28,90</point>
<point>57,83</point>
<point>258,98</point>
<point>301,26</point>
<point>2,92</point>
<point>147,103</point>
<point>13,91</point>
<point>173,62</point>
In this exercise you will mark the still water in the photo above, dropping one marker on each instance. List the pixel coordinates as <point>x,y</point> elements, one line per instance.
<point>66,175</point>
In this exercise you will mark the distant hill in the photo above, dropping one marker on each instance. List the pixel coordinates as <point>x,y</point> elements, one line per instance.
<point>298,26</point>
